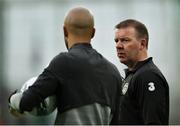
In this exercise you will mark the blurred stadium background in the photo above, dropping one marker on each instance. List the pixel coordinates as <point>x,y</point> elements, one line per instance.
<point>31,35</point>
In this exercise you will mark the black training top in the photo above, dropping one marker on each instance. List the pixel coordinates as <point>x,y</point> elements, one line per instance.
<point>78,77</point>
<point>145,96</point>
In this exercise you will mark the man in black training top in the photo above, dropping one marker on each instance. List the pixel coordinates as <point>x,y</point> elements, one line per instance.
<point>145,91</point>
<point>87,86</point>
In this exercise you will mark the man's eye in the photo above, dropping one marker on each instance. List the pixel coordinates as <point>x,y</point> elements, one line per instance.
<point>124,40</point>
<point>116,40</point>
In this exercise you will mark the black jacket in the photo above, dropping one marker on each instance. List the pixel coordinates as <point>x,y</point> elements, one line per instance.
<point>145,96</point>
<point>78,77</point>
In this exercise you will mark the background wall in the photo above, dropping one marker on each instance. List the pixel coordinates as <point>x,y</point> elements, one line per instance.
<point>31,35</point>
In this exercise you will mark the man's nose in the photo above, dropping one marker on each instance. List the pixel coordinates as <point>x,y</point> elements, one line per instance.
<point>119,44</point>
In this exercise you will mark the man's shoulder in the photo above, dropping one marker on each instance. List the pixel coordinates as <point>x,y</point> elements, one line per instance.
<point>149,72</point>
<point>61,56</point>
<point>111,66</point>
<point>148,69</point>
<point>60,59</point>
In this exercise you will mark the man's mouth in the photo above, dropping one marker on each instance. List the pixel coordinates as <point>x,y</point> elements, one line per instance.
<point>121,55</point>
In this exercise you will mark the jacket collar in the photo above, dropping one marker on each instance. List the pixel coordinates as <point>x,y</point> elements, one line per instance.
<point>138,65</point>
<point>77,45</point>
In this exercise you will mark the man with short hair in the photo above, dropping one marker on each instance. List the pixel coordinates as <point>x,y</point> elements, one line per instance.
<point>145,91</point>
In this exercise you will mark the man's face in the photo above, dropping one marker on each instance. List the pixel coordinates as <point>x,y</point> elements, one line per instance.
<point>127,45</point>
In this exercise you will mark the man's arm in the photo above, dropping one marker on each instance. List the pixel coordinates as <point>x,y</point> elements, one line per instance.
<point>153,97</point>
<point>44,86</point>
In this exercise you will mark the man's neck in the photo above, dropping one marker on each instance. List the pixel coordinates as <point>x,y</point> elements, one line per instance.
<point>76,42</point>
<point>133,64</point>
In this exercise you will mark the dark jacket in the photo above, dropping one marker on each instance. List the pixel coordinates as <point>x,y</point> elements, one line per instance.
<point>78,77</point>
<point>145,96</point>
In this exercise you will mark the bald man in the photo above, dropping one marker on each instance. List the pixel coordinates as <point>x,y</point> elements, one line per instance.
<point>87,86</point>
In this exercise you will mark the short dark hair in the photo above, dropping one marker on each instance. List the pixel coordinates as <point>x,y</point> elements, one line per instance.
<point>140,28</point>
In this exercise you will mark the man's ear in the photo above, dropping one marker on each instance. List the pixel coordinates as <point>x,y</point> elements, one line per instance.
<point>93,32</point>
<point>143,44</point>
<point>65,31</point>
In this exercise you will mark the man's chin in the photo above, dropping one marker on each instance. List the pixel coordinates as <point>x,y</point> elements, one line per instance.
<point>123,61</point>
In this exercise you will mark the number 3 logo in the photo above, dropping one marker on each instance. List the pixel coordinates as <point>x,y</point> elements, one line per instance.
<point>151,86</point>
